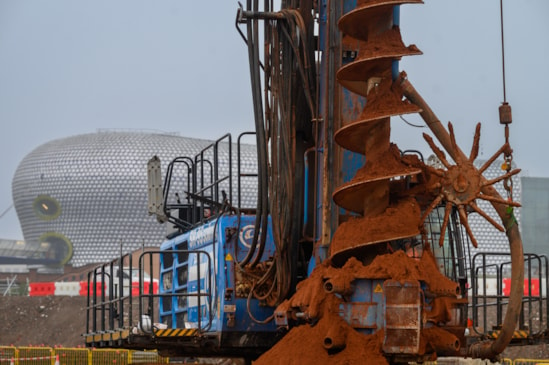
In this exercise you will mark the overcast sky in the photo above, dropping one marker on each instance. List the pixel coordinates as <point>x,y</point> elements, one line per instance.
<point>71,67</point>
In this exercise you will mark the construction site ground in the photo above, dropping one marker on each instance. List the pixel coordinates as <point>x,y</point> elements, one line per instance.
<point>55,321</point>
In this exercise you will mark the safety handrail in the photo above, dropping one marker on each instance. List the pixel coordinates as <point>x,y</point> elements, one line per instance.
<point>241,174</point>
<point>213,186</point>
<point>150,296</point>
<point>499,300</point>
<point>205,195</point>
<point>111,307</point>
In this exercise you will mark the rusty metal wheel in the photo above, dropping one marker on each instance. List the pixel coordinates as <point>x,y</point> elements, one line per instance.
<point>461,184</point>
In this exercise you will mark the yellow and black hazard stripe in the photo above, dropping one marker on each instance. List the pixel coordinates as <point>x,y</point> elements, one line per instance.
<point>519,334</point>
<point>175,332</point>
<point>109,336</point>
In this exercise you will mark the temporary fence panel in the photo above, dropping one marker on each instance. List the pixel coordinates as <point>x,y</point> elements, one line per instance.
<point>140,357</point>
<point>72,356</point>
<point>110,357</point>
<point>35,356</point>
<point>463,361</point>
<point>7,354</point>
<point>529,362</point>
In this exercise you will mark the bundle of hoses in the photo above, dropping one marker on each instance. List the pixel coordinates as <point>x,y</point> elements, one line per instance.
<point>276,141</point>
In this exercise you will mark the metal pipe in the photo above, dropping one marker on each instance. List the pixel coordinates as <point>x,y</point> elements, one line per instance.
<point>491,349</point>
<point>331,122</point>
<point>243,15</point>
<point>336,338</point>
<point>339,285</point>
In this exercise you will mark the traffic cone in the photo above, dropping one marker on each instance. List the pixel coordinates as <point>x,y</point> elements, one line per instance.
<point>56,359</point>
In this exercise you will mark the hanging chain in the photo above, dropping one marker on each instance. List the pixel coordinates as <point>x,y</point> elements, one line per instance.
<point>507,164</point>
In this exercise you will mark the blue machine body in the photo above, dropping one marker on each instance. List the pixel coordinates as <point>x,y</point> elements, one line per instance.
<point>198,277</point>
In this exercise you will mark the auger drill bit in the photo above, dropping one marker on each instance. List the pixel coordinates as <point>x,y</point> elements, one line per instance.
<point>377,34</point>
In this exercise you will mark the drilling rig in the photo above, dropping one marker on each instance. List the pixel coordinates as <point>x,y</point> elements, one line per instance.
<point>353,244</point>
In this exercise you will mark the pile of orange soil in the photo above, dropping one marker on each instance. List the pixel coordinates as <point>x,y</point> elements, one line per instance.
<point>389,164</point>
<point>389,41</point>
<point>304,344</point>
<point>386,99</point>
<point>398,266</point>
<point>397,221</point>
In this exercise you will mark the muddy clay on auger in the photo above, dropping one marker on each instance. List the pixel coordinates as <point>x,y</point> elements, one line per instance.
<point>321,308</point>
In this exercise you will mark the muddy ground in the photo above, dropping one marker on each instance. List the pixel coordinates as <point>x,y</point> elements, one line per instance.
<point>60,321</point>
<point>49,321</point>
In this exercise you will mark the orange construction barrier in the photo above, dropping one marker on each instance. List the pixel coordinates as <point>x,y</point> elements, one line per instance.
<point>41,289</point>
<point>84,288</point>
<point>530,288</point>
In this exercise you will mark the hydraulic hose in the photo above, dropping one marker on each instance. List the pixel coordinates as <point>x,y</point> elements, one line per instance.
<point>489,349</point>
<point>262,149</point>
<point>258,118</point>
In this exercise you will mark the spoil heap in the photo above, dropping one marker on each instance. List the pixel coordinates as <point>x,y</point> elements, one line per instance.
<point>304,344</point>
<point>42,321</point>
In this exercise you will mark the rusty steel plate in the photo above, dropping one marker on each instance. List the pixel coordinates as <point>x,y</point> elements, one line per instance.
<point>363,247</point>
<point>350,196</point>
<point>352,136</point>
<point>353,23</point>
<point>403,304</point>
<point>353,76</point>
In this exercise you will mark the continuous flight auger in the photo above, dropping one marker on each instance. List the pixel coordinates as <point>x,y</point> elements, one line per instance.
<point>374,75</point>
<point>375,25</point>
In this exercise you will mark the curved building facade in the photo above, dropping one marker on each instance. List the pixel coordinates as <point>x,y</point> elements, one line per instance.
<point>78,199</point>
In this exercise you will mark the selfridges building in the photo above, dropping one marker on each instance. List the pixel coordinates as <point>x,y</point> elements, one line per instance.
<point>80,199</point>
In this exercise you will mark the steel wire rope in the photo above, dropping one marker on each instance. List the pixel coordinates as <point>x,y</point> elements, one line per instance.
<point>502,50</point>
<point>316,120</point>
<point>278,188</point>
<point>284,174</point>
